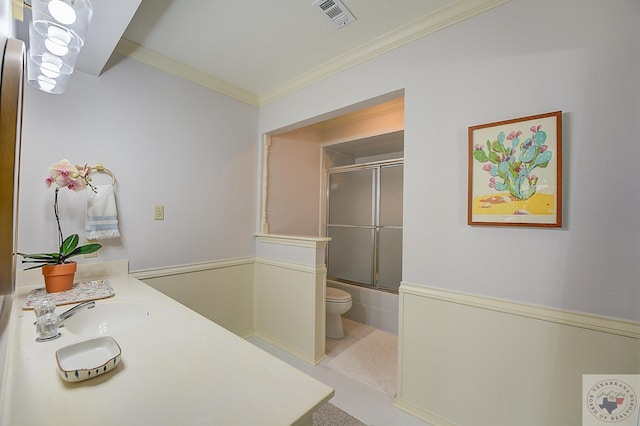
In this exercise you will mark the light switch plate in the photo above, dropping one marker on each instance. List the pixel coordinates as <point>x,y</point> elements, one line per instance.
<point>158,212</point>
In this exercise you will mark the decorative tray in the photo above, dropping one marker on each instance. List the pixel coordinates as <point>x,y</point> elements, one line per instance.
<point>80,292</point>
<point>88,359</point>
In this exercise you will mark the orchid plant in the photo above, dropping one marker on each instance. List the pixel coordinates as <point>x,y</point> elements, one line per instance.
<point>75,178</point>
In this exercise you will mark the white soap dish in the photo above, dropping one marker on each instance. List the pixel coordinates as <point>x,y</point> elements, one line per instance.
<point>88,359</point>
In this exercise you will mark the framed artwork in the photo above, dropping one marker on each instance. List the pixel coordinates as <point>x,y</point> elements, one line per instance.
<point>515,172</point>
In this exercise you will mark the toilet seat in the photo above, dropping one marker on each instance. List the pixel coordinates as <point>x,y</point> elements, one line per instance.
<point>337,296</point>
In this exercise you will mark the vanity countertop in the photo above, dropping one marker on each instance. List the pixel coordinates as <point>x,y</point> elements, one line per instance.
<point>177,367</point>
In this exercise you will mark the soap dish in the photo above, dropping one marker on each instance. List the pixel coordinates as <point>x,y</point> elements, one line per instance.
<point>88,359</point>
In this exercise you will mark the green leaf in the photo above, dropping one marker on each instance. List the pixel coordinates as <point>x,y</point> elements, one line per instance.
<point>480,155</point>
<point>38,256</point>
<point>41,259</point>
<point>86,249</point>
<point>34,267</point>
<point>69,245</point>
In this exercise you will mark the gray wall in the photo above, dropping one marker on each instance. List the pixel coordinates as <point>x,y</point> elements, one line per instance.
<point>168,141</point>
<point>525,57</point>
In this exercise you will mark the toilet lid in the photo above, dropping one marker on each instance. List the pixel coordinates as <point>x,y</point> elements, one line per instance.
<point>337,295</point>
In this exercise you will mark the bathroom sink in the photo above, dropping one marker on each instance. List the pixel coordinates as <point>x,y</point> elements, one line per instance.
<point>107,318</point>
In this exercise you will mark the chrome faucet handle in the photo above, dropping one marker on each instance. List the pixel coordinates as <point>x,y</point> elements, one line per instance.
<point>44,306</point>
<point>47,327</point>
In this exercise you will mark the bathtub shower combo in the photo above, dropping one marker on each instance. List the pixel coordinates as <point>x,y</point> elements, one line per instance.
<point>364,259</point>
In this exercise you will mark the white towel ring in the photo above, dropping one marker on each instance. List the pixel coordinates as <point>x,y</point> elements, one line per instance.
<point>102,169</point>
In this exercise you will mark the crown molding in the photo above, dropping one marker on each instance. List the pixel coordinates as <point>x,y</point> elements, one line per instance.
<point>150,57</point>
<point>442,18</point>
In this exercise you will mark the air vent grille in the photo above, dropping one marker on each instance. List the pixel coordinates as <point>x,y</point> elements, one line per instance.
<point>335,11</point>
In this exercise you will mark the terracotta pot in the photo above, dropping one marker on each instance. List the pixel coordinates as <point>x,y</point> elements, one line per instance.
<point>59,278</point>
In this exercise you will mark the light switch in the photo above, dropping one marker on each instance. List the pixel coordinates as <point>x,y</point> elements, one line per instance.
<point>158,212</point>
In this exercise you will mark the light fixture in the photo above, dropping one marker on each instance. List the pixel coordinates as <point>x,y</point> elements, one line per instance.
<point>62,12</point>
<point>56,36</point>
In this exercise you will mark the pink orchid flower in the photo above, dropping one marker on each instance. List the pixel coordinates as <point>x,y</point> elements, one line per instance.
<point>514,135</point>
<point>64,174</point>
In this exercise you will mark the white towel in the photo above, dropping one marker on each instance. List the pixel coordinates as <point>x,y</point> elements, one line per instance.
<point>102,215</point>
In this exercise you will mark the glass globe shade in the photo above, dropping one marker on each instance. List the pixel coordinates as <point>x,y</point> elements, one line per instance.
<point>62,12</point>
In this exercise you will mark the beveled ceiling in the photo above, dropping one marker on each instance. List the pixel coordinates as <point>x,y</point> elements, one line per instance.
<point>258,51</point>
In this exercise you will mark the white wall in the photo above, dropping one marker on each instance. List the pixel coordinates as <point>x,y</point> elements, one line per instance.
<point>168,141</point>
<point>521,58</point>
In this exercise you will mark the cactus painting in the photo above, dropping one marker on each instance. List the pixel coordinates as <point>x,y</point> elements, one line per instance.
<point>513,161</point>
<point>514,177</point>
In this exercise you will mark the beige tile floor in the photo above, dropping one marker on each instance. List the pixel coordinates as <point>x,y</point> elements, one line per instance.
<point>370,405</point>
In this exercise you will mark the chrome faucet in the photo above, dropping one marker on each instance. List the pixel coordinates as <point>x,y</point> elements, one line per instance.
<point>70,312</point>
<point>47,324</point>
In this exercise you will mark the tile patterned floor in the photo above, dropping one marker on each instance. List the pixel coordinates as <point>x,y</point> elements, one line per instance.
<point>369,405</point>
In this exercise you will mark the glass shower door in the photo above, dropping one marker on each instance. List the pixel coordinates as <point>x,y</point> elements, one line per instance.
<point>390,228</point>
<point>351,226</point>
<point>364,222</point>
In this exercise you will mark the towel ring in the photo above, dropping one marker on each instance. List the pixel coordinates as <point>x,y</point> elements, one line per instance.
<point>102,169</point>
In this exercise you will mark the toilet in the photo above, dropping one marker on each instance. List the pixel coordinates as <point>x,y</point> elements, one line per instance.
<point>338,303</point>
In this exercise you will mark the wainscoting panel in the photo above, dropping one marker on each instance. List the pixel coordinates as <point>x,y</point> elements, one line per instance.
<point>290,307</point>
<point>469,360</point>
<point>221,291</point>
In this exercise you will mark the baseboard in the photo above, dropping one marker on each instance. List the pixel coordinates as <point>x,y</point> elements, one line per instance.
<point>247,334</point>
<point>289,349</point>
<point>587,321</point>
<point>427,416</point>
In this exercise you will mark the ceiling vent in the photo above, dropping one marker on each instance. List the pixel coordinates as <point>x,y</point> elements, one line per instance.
<point>335,11</point>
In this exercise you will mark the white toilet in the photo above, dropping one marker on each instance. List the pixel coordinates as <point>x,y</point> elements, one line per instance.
<point>338,303</point>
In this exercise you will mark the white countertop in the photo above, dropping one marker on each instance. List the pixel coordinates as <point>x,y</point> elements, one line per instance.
<point>177,368</point>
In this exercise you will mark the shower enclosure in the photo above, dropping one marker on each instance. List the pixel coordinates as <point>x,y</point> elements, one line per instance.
<point>364,221</point>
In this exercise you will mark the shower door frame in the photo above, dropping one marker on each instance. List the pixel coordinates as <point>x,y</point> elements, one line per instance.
<point>376,227</point>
